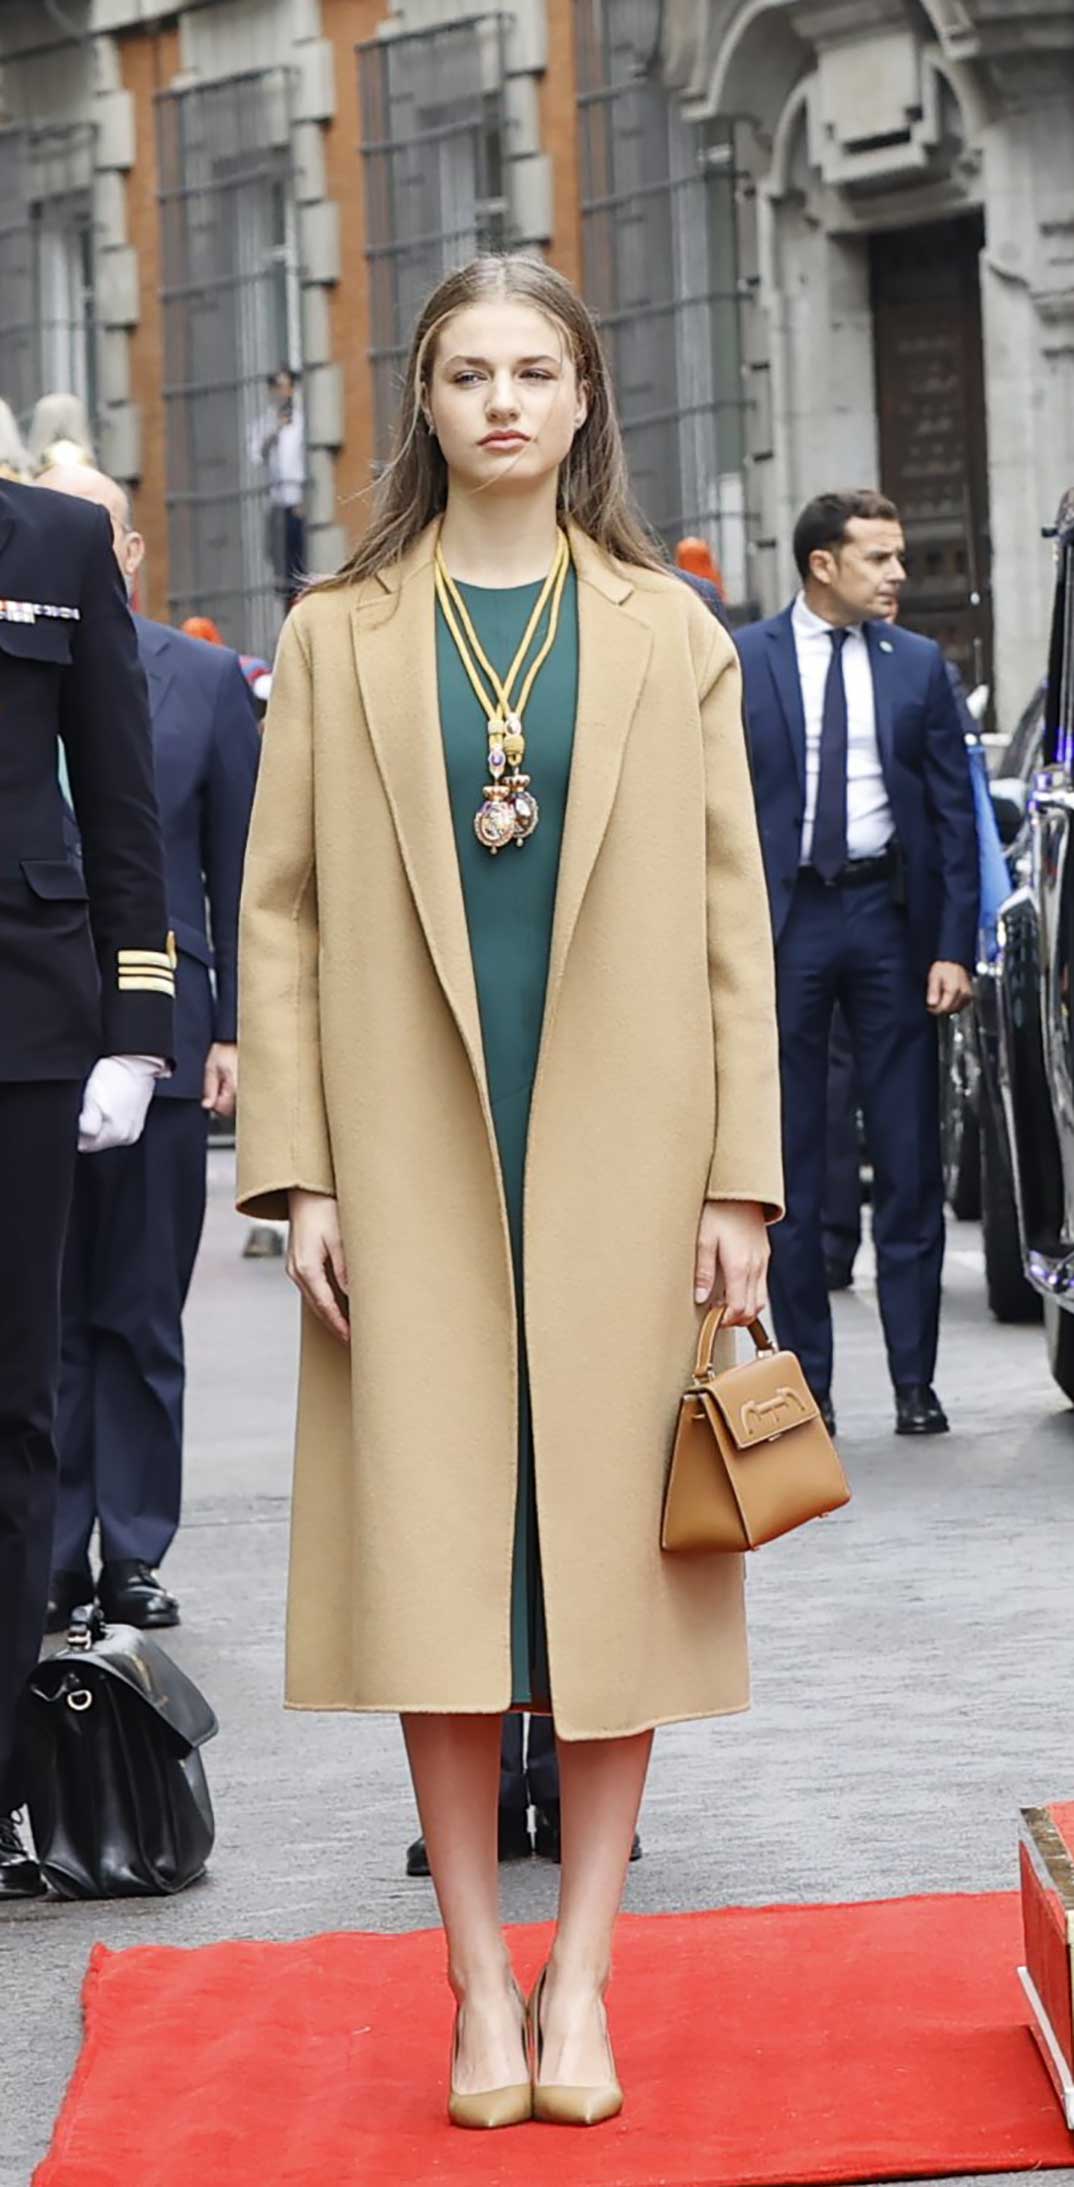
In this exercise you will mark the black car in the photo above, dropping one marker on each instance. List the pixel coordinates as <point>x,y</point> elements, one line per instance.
<point>1035,994</point>
<point>977,1168</point>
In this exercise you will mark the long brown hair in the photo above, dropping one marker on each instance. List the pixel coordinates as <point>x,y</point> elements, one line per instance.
<point>593,489</point>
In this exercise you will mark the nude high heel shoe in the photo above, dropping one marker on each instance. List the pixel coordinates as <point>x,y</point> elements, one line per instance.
<point>489,2107</point>
<point>557,2105</point>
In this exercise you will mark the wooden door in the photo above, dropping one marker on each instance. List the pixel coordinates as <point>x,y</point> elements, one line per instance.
<point>926,300</point>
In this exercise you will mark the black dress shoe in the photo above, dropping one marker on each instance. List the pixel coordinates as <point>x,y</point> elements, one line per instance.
<point>20,1876</point>
<point>417,1859</point>
<point>131,1593</point>
<point>918,1410</point>
<point>547,1842</point>
<point>823,1402</point>
<point>837,1276</point>
<point>515,1843</point>
<point>67,1591</point>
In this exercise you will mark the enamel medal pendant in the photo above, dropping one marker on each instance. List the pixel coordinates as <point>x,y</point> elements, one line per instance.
<point>526,809</point>
<point>510,811</point>
<point>494,821</point>
<point>527,812</point>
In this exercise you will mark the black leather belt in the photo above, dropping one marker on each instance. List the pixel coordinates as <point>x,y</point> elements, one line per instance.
<point>858,872</point>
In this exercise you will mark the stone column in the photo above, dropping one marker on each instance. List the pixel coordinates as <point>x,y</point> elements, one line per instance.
<point>1027,279</point>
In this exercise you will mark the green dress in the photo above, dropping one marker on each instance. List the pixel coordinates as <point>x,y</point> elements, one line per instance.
<point>510,901</point>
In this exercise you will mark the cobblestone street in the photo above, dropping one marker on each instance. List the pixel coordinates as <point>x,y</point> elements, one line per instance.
<point>911,1677</point>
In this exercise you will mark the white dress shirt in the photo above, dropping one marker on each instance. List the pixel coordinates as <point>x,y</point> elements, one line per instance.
<point>282,449</point>
<point>870,822</point>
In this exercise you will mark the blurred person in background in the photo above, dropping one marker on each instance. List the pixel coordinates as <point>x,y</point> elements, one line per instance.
<point>278,445</point>
<point>14,455</point>
<point>59,433</point>
<point>86,1004</point>
<point>870,843</point>
<point>257,671</point>
<point>694,558</point>
<point>137,1214</point>
<point>203,627</point>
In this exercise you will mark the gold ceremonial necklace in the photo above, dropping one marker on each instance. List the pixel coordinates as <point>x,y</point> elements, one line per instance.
<point>510,811</point>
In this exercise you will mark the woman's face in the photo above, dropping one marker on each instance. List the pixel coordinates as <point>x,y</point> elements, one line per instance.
<point>503,397</point>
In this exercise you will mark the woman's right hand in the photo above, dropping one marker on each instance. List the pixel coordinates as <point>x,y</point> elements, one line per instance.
<point>315,1258</point>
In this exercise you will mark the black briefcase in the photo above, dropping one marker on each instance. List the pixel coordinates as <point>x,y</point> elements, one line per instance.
<point>110,1731</point>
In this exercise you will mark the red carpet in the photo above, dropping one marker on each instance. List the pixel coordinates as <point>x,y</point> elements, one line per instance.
<point>773,2045</point>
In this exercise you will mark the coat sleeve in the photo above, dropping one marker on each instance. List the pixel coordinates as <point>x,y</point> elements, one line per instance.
<point>226,801</point>
<point>283,1139</point>
<point>747,1160</point>
<point>949,791</point>
<point>104,726</point>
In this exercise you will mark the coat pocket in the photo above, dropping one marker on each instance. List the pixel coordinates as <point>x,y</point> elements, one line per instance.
<point>190,943</point>
<point>55,880</point>
<point>47,641</point>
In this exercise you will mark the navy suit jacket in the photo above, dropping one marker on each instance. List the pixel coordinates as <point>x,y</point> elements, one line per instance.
<point>206,746</point>
<point>925,767</point>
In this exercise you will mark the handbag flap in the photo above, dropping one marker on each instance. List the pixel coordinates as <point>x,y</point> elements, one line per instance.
<point>763,1399</point>
<point>134,1661</point>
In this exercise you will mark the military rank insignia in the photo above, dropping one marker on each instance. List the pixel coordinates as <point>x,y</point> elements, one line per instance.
<point>151,971</point>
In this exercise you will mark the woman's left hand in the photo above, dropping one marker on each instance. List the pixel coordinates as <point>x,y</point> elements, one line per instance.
<point>732,1259</point>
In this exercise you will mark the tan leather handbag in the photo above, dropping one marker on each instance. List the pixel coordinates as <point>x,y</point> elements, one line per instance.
<point>752,1456</point>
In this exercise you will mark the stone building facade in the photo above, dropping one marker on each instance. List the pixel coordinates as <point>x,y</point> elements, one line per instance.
<point>829,241</point>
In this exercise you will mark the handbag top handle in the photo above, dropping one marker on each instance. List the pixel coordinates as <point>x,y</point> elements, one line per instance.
<point>709,1331</point>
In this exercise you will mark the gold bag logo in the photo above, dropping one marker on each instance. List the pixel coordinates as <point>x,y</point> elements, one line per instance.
<point>773,1415</point>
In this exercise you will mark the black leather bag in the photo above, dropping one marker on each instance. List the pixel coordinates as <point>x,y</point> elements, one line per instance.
<point>110,1730</point>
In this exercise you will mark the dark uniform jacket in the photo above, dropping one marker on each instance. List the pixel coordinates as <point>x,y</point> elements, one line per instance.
<point>86,961</point>
<point>206,746</point>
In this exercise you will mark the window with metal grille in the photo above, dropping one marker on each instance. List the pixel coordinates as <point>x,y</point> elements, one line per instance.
<point>230,296</point>
<point>436,157</point>
<point>659,224</point>
<point>48,342</point>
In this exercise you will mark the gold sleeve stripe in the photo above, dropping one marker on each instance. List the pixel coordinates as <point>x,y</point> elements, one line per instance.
<point>143,958</point>
<point>154,983</point>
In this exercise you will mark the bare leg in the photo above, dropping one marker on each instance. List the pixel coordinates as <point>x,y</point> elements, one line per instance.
<point>455,1765</point>
<point>601,1784</point>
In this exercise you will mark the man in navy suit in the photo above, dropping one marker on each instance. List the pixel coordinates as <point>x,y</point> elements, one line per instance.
<point>867,824</point>
<point>137,1215</point>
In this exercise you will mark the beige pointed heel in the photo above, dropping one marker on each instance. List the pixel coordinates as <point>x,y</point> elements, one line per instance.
<point>489,2107</point>
<point>556,2105</point>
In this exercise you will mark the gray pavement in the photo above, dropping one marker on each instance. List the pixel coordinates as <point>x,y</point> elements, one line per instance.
<point>911,1678</point>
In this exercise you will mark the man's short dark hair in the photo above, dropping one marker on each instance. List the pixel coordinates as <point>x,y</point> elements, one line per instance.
<point>824,520</point>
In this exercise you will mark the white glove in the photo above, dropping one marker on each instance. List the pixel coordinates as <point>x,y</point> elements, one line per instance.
<point>115,1102</point>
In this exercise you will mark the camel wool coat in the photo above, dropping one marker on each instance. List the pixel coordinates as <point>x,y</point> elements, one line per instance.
<point>363,1076</point>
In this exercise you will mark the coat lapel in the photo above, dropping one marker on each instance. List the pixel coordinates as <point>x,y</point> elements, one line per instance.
<point>395,654</point>
<point>881,661</point>
<point>157,659</point>
<point>783,661</point>
<point>613,655</point>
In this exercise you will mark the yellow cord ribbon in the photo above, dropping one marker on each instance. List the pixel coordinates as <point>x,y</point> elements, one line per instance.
<point>501,711</point>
